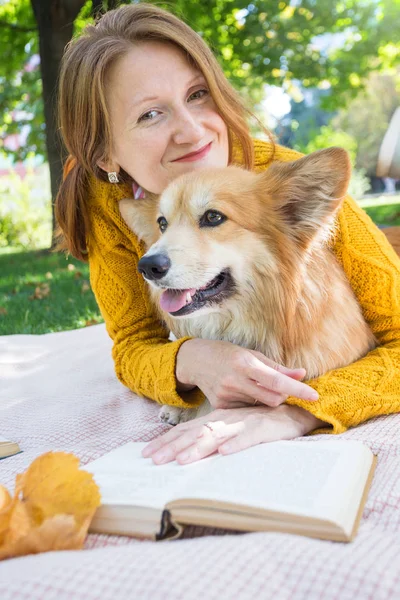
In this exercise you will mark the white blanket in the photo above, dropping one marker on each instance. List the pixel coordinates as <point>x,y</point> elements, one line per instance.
<point>59,392</point>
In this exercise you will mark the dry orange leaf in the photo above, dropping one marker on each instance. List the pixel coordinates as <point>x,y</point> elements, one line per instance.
<point>41,291</point>
<point>91,322</point>
<point>52,507</point>
<point>5,499</point>
<point>57,533</point>
<point>3,311</point>
<point>6,505</point>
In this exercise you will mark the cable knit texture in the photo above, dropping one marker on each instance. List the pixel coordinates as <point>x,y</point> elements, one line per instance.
<point>145,359</point>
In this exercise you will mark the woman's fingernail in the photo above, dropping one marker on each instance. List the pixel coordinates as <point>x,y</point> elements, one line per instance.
<point>151,448</point>
<point>225,449</point>
<point>314,396</point>
<point>160,458</point>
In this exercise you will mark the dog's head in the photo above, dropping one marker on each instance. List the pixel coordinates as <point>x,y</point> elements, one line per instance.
<point>212,228</point>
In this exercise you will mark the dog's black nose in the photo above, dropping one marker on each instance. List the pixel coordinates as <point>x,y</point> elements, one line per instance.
<point>154,266</point>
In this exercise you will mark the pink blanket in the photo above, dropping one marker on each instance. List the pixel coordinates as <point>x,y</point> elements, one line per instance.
<point>59,392</point>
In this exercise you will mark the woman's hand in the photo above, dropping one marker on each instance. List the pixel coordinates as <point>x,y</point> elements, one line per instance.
<point>231,376</point>
<point>228,431</point>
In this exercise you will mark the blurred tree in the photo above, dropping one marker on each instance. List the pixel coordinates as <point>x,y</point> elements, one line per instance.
<point>367,117</point>
<point>264,41</point>
<point>33,35</point>
<point>337,42</point>
<point>305,119</point>
<point>21,106</point>
<point>373,46</point>
<point>359,128</point>
<point>331,136</point>
<point>55,25</point>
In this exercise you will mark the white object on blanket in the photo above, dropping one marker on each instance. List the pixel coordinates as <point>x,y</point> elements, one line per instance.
<point>59,392</point>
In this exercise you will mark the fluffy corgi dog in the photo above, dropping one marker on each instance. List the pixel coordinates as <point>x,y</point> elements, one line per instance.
<point>243,257</point>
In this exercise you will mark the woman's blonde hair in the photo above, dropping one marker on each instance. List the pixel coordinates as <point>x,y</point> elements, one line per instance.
<point>83,112</point>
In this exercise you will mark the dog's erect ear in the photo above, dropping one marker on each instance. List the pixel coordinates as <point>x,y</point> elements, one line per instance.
<point>308,191</point>
<point>141,217</point>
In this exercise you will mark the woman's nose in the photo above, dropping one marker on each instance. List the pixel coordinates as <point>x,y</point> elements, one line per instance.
<point>188,128</point>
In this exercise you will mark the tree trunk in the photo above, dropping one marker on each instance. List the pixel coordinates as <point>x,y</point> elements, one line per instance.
<point>55,19</point>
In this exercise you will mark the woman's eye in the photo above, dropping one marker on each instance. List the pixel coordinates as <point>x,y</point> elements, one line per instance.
<point>162,223</point>
<point>212,218</point>
<point>199,94</point>
<point>149,116</point>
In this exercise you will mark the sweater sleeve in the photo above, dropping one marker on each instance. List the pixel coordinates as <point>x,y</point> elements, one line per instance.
<point>144,357</point>
<point>371,386</point>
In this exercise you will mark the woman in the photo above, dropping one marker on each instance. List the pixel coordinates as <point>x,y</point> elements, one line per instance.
<point>142,100</point>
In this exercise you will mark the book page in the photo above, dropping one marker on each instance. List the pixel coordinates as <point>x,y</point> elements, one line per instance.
<point>304,478</point>
<point>126,478</point>
<point>315,479</point>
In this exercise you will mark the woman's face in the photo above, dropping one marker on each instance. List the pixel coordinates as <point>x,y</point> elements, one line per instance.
<point>164,121</point>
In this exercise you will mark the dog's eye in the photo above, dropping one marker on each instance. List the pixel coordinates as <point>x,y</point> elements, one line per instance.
<point>212,218</point>
<point>162,223</point>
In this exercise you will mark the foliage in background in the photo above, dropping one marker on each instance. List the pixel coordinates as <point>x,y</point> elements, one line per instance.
<point>359,184</point>
<point>305,119</point>
<point>25,216</point>
<point>329,136</point>
<point>266,41</point>
<point>377,47</point>
<point>360,127</point>
<point>41,30</point>
<point>367,116</point>
<point>21,102</point>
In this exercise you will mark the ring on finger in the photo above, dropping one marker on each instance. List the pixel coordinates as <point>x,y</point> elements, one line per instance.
<point>209,426</point>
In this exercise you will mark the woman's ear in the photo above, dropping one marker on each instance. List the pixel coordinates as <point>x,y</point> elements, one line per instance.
<point>108,166</point>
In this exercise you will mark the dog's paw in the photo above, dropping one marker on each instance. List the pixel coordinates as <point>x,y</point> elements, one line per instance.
<point>171,414</point>
<point>187,414</point>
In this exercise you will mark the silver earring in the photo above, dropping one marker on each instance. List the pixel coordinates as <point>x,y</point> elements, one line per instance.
<point>113,177</point>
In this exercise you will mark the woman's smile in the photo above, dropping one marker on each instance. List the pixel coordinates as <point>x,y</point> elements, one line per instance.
<point>196,155</point>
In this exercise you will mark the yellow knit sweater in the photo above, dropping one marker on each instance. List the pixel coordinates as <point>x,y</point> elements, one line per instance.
<point>145,359</point>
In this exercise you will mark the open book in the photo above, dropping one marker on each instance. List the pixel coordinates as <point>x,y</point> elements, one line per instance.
<point>317,489</point>
<point>8,448</point>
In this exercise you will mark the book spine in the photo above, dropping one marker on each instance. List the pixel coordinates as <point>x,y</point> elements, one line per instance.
<point>169,530</point>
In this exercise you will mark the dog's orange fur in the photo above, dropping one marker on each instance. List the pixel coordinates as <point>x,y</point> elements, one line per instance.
<point>293,301</point>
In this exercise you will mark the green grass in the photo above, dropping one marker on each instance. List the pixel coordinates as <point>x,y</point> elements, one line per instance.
<point>383,210</point>
<point>42,292</point>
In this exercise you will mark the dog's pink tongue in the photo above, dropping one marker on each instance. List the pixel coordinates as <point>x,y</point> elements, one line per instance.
<point>173,300</point>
